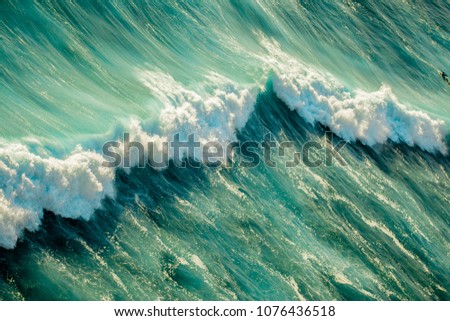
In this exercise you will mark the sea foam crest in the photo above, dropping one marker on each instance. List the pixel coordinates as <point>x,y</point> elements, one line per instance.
<point>369,117</point>
<point>29,183</point>
<point>213,114</point>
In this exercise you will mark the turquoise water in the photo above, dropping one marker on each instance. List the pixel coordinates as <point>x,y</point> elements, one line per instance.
<point>75,75</point>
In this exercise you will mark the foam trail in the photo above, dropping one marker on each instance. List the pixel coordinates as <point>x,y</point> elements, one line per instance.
<point>71,188</point>
<point>371,118</point>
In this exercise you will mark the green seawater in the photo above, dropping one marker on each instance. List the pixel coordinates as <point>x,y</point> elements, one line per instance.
<point>72,73</point>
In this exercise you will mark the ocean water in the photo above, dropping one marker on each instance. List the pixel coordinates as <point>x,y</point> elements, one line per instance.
<point>75,75</point>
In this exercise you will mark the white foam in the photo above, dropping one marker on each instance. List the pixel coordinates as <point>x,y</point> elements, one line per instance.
<point>369,117</point>
<point>213,114</point>
<point>72,188</point>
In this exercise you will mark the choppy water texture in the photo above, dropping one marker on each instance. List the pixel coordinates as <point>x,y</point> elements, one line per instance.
<point>76,74</point>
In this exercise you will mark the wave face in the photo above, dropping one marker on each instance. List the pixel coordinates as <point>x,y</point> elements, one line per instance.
<point>75,76</point>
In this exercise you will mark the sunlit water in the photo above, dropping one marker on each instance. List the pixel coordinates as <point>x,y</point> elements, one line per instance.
<point>75,76</point>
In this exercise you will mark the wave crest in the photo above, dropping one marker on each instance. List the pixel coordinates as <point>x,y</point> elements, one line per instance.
<point>72,188</point>
<point>369,117</point>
